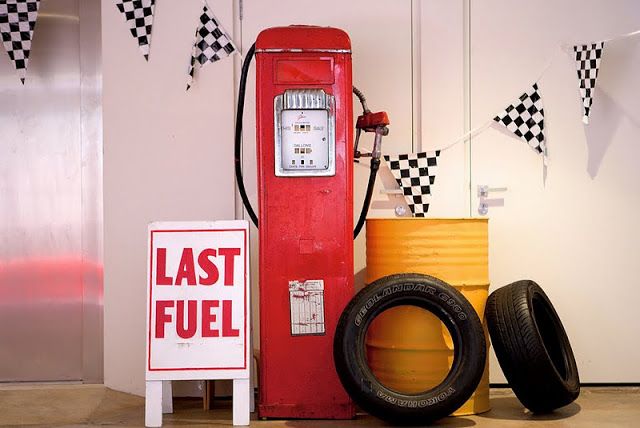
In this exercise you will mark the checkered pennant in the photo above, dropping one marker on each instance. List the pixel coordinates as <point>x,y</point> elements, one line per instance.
<point>415,173</point>
<point>525,118</point>
<point>139,15</point>
<point>17,21</point>
<point>212,43</point>
<point>588,63</point>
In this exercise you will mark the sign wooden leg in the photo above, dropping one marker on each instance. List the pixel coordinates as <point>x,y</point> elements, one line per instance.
<point>167,397</point>
<point>252,395</point>
<point>241,401</point>
<point>153,404</point>
<point>252,386</point>
<point>209,394</point>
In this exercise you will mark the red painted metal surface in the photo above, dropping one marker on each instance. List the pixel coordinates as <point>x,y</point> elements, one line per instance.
<point>306,227</point>
<point>369,121</point>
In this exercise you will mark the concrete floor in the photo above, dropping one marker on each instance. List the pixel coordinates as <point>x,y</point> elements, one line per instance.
<point>95,405</point>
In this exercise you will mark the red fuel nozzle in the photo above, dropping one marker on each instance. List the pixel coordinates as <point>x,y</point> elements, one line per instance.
<point>372,122</point>
<point>368,122</point>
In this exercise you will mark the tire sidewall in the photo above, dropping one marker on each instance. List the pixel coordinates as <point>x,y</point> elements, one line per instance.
<point>451,308</point>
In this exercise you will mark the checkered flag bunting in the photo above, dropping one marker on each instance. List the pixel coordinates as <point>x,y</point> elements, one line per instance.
<point>588,63</point>
<point>525,118</point>
<point>17,22</point>
<point>212,43</point>
<point>139,16</point>
<point>415,173</point>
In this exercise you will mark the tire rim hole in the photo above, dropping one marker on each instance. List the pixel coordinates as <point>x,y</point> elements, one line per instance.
<point>408,349</point>
<point>551,335</point>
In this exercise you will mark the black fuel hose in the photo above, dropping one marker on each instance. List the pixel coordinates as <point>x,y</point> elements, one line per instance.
<point>375,163</point>
<point>238,136</point>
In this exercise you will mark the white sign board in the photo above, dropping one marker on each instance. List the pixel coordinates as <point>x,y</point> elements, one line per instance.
<point>198,324</point>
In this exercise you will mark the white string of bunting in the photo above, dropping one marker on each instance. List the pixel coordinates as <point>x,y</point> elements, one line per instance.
<point>415,173</point>
<point>18,21</point>
<point>211,43</point>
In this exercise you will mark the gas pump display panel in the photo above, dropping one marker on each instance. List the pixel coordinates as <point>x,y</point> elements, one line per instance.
<point>305,138</point>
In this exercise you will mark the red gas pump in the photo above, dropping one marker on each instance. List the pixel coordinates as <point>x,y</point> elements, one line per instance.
<point>305,186</point>
<point>304,116</point>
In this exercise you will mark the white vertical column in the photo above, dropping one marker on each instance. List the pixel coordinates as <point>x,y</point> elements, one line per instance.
<point>439,99</point>
<point>416,75</point>
<point>466,47</point>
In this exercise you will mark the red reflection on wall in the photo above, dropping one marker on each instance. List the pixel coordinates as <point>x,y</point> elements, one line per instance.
<point>52,279</point>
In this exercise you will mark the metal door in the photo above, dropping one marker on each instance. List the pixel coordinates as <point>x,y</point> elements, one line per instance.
<point>50,201</point>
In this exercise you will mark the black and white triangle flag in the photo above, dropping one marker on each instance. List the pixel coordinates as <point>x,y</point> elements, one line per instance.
<point>17,22</point>
<point>139,16</point>
<point>416,174</point>
<point>525,118</point>
<point>588,63</point>
<point>212,43</point>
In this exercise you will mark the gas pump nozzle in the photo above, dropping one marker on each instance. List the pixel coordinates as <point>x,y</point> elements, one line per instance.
<point>371,122</point>
<point>381,131</point>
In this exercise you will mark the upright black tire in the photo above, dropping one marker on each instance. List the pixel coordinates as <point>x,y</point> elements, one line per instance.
<point>532,347</point>
<point>451,308</point>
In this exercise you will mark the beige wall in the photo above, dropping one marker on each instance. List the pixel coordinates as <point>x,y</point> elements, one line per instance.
<point>168,155</point>
<point>576,232</point>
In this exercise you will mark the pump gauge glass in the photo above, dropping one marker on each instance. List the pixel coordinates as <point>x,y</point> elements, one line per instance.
<point>305,143</point>
<point>304,140</point>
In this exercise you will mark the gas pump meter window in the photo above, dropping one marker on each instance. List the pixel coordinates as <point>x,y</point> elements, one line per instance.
<point>304,133</point>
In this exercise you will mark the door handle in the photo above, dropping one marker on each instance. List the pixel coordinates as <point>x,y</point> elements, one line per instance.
<point>484,190</point>
<point>485,202</point>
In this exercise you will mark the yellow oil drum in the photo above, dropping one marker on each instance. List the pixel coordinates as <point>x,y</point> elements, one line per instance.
<point>408,348</point>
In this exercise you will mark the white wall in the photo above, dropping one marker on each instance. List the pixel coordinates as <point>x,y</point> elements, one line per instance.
<point>577,232</point>
<point>168,155</point>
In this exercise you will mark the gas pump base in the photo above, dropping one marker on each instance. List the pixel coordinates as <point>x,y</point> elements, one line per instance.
<point>297,411</point>
<point>305,190</point>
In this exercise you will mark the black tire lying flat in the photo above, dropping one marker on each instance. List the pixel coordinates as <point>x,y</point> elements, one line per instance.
<point>532,346</point>
<point>453,310</point>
